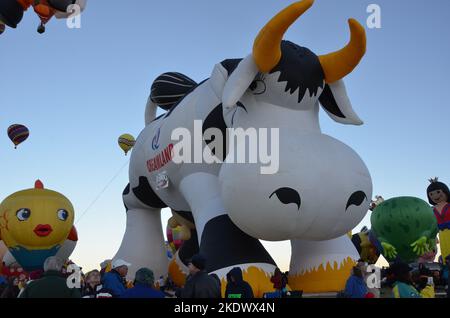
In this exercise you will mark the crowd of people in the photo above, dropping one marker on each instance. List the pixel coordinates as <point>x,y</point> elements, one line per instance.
<point>400,280</point>
<point>55,282</point>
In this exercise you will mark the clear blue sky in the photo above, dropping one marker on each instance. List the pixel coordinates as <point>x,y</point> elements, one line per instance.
<point>78,90</point>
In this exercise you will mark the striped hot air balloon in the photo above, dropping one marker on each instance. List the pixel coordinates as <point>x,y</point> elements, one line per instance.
<point>18,134</point>
<point>126,142</point>
<point>169,88</point>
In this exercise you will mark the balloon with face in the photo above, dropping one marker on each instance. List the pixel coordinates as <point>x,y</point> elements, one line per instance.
<point>35,224</point>
<point>3,250</point>
<point>312,187</point>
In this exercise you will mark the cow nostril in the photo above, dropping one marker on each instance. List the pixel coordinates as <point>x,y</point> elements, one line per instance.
<point>357,198</point>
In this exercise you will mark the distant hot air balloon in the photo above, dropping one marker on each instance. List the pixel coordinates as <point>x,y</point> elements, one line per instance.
<point>126,142</point>
<point>12,11</point>
<point>18,134</point>
<point>61,5</point>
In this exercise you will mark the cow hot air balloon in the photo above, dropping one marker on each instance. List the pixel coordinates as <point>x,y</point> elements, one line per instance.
<point>126,142</point>
<point>18,134</point>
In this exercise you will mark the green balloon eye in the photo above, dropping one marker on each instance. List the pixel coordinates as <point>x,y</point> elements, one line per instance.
<point>63,215</point>
<point>23,214</point>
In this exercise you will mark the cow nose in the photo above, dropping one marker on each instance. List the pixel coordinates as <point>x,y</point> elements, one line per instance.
<point>357,198</point>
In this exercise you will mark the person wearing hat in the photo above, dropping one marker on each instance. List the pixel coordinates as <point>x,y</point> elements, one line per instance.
<point>105,267</point>
<point>144,286</point>
<point>114,280</point>
<point>403,287</point>
<point>199,284</point>
<point>52,285</point>
<point>237,287</point>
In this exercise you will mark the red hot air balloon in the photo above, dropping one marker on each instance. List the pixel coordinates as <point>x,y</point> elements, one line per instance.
<point>18,134</point>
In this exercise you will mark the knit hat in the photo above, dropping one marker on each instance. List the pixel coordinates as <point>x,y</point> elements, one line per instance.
<point>145,276</point>
<point>198,261</point>
<point>400,268</point>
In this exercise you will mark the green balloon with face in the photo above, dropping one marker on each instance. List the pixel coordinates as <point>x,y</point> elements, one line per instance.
<point>402,221</point>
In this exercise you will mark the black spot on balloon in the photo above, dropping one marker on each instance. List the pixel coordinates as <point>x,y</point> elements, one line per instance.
<point>394,204</point>
<point>404,227</point>
<point>357,198</point>
<point>287,196</point>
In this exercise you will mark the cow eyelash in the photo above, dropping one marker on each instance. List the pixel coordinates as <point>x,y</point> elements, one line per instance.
<point>260,77</point>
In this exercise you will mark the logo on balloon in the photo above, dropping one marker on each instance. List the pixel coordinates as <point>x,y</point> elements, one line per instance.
<point>155,140</point>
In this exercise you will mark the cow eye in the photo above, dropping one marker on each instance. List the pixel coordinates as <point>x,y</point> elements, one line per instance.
<point>258,87</point>
<point>287,196</point>
<point>357,198</point>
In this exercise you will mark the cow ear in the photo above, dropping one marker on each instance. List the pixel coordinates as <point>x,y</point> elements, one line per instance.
<point>335,102</point>
<point>239,81</point>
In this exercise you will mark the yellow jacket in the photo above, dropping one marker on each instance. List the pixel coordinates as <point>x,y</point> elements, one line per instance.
<point>428,292</point>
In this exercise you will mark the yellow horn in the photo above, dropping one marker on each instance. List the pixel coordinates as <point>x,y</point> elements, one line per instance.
<point>338,64</point>
<point>267,46</point>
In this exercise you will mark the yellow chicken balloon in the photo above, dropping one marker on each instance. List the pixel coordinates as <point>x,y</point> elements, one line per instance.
<point>35,224</point>
<point>126,142</point>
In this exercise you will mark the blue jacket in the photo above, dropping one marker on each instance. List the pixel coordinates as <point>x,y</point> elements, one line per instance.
<point>355,287</point>
<point>114,282</point>
<point>402,290</point>
<point>142,291</point>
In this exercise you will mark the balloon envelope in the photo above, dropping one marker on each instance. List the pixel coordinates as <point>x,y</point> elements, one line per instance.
<point>18,133</point>
<point>62,13</point>
<point>3,250</point>
<point>126,142</point>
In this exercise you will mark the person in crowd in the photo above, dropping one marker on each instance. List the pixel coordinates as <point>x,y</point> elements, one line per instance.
<point>425,286</point>
<point>169,288</point>
<point>284,282</point>
<point>216,277</point>
<point>104,267</point>
<point>403,285</point>
<point>12,289</point>
<point>446,275</point>
<point>199,284</point>
<point>425,282</point>
<point>161,282</point>
<point>237,287</point>
<point>387,284</point>
<point>93,287</point>
<point>144,286</point>
<point>36,274</point>
<point>52,284</point>
<point>3,284</point>
<point>367,273</point>
<point>355,286</point>
<point>114,280</point>
<point>276,279</point>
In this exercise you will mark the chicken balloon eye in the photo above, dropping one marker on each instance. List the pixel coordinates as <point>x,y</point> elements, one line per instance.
<point>23,214</point>
<point>63,215</point>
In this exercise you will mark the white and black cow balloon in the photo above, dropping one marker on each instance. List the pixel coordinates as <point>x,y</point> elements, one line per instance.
<point>320,191</point>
